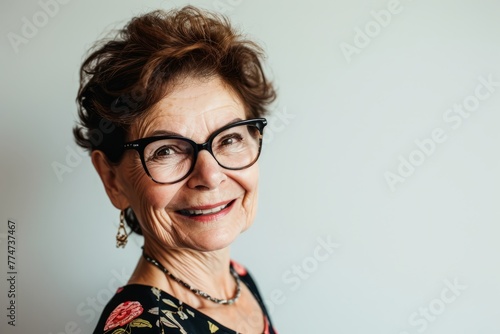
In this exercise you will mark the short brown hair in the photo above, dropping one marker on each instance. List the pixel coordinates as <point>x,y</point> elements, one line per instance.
<point>123,77</point>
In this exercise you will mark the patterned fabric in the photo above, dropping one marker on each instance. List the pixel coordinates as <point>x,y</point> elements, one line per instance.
<point>142,309</point>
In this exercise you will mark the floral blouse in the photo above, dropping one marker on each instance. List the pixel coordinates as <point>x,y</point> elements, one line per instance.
<point>142,309</point>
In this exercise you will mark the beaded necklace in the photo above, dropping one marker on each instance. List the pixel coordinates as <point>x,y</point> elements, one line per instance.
<point>197,291</point>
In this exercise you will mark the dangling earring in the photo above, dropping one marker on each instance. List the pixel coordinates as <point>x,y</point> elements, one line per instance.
<point>121,235</point>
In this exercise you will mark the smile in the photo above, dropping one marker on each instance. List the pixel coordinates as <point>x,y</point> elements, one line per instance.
<point>199,212</point>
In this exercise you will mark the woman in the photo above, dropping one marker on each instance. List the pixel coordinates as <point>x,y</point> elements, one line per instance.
<point>171,111</point>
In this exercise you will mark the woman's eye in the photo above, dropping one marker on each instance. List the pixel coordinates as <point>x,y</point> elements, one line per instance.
<point>164,151</point>
<point>231,139</point>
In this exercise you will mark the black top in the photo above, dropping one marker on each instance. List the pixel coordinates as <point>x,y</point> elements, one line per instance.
<point>143,309</point>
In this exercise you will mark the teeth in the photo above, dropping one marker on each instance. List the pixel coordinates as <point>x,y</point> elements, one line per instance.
<point>204,212</point>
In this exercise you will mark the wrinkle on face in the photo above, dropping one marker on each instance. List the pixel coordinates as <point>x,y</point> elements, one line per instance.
<point>202,113</point>
<point>194,110</point>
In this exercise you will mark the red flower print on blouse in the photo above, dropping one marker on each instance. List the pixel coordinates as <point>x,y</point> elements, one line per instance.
<point>123,314</point>
<point>240,270</point>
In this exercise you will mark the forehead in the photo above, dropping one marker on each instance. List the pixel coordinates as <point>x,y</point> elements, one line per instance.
<point>194,108</point>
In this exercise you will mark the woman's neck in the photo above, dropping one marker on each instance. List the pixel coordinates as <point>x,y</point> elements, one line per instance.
<point>206,271</point>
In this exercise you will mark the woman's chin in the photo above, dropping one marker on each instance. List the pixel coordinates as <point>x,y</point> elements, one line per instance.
<point>209,242</point>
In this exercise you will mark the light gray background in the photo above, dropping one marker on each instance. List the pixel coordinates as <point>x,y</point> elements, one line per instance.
<point>339,125</point>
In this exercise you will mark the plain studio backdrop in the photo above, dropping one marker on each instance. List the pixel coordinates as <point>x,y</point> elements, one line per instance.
<point>379,193</point>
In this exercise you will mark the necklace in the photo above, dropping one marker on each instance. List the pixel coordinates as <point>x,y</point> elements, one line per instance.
<point>197,291</point>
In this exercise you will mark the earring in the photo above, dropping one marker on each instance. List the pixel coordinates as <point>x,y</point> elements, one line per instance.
<point>121,235</point>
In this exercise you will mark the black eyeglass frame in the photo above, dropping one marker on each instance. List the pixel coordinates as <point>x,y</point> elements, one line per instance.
<point>140,144</point>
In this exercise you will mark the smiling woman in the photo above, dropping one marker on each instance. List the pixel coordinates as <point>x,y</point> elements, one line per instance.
<point>185,96</point>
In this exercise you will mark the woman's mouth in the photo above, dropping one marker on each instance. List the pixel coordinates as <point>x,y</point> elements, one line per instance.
<point>208,211</point>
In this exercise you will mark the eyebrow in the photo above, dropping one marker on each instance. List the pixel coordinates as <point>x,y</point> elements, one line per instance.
<point>172,133</point>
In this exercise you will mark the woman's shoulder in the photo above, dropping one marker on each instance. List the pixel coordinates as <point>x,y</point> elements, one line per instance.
<point>245,276</point>
<point>131,307</point>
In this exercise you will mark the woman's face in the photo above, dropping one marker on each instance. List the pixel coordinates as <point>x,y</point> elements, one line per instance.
<point>194,109</point>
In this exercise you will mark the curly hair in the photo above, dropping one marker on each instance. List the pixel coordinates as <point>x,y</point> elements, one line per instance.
<point>126,75</point>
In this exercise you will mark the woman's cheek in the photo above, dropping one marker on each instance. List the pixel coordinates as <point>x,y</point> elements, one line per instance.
<point>252,214</point>
<point>250,182</point>
<point>141,187</point>
<point>148,199</point>
<point>154,221</point>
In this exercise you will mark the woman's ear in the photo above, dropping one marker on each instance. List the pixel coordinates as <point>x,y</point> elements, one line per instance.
<point>110,179</point>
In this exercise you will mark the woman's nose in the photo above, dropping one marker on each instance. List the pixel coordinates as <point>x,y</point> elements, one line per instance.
<point>207,172</point>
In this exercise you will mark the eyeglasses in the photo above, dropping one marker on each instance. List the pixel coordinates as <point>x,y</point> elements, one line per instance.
<point>170,159</point>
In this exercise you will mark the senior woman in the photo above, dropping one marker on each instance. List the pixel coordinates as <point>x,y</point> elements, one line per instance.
<point>171,110</point>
